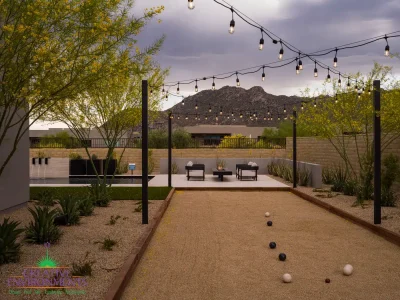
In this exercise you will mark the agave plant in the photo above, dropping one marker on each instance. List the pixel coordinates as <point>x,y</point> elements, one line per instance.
<point>9,248</point>
<point>85,206</point>
<point>304,177</point>
<point>42,228</point>
<point>69,209</point>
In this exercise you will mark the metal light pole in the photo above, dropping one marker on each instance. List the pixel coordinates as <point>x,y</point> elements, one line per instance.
<point>294,149</point>
<point>377,152</point>
<point>145,154</point>
<point>169,149</point>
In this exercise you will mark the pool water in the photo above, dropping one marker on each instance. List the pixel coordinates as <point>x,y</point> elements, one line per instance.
<point>89,180</point>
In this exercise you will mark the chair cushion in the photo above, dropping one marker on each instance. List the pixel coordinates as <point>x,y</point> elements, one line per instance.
<point>189,164</point>
<point>254,164</point>
<point>250,163</point>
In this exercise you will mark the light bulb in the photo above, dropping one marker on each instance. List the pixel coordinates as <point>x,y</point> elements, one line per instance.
<point>297,70</point>
<point>186,117</point>
<point>336,99</point>
<point>209,109</point>
<point>190,4</point>
<point>232,114</point>
<point>281,53</point>
<point>335,62</point>
<point>178,117</point>
<point>261,46</point>
<point>340,82</point>
<point>263,77</point>
<point>237,82</point>
<point>206,118</point>
<point>220,112</point>
<point>387,50</point>
<point>196,89</point>
<point>315,72</point>
<point>213,86</point>
<point>183,102</point>
<point>328,78</point>
<point>241,115</point>
<point>300,65</point>
<point>177,90</point>
<point>232,27</point>
<point>284,108</point>
<point>265,118</point>
<point>359,95</point>
<point>163,91</point>
<point>302,106</point>
<point>196,107</point>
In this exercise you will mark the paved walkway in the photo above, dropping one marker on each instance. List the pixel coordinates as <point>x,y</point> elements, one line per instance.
<point>214,245</point>
<point>180,181</point>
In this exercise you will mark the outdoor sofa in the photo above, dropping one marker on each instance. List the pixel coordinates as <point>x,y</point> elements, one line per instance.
<point>250,167</point>
<point>195,167</point>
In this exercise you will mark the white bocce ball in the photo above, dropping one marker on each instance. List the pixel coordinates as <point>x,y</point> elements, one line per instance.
<point>348,270</point>
<point>267,214</point>
<point>287,278</point>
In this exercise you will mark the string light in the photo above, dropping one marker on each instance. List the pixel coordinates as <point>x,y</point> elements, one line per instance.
<point>335,59</point>
<point>281,51</point>
<point>216,117</point>
<point>315,102</point>
<point>265,118</point>
<point>302,106</point>
<point>339,81</point>
<point>232,24</point>
<point>186,117</point>
<point>297,70</point>
<point>348,82</point>
<point>300,63</point>
<point>356,86</point>
<point>241,115</point>
<point>387,48</point>
<point>328,77</point>
<point>268,112</point>
<point>232,114</point>
<point>196,88</point>
<point>151,92</point>
<point>163,90</point>
<point>190,4</point>
<point>315,70</point>
<point>183,102</point>
<point>336,99</point>
<point>206,118</point>
<point>177,89</point>
<point>196,107</point>
<point>279,118</point>
<point>359,95</point>
<point>263,74</point>
<point>213,84</point>
<point>237,80</point>
<point>284,108</point>
<point>220,112</point>
<point>209,108</point>
<point>261,46</point>
<point>178,117</point>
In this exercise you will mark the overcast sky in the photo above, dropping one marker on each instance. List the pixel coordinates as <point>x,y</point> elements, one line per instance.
<point>198,43</point>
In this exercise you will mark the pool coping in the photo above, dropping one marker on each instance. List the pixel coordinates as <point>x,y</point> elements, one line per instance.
<point>388,235</point>
<point>124,275</point>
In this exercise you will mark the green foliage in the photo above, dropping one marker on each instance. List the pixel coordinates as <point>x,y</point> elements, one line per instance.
<point>9,248</point>
<point>152,163</point>
<point>122,168</point>
<point>339,178</point>
<point>70,208</point>
<point>285,129</point>
<point>113,220</point>
<point>83,267</point>
<point>74,155</point>
<point>59,140</point>
<point>390,172</point>
<point>116,193</point>
<point>304,177</point>
<point>42,154</point>
<point>327,175</point>
<point>45,198</point>
<point>99,194</point>
<point>42,228</point>
<point>107,244</point>
<point>181,138</point>
<point>351,187</point>
<point>220,163</point>
<point>237,141</point>
<point>94,157</point>
<point>85,206</point>
<point>175,168</point>
<point>158,139</point>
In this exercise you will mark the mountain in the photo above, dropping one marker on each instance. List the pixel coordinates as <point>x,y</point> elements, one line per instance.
<point>233,99</point>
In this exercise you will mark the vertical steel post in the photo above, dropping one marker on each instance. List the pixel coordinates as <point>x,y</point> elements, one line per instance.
<point>377,152</point>
<point>145,154</point>
<point>294,149</point>
<point>170,149</point>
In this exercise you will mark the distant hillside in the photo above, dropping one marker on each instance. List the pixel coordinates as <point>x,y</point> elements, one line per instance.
<point>231,99</point>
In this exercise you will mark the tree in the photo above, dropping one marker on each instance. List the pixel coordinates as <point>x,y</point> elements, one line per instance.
<point>51,51</point>
<point>285,129</point>
<point>348,117</point>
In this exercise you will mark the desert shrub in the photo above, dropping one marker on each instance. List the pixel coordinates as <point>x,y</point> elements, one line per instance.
<point>158,139</point>
<point>339,179</point>
<point>107,244</point>
<point>237,141</point>
<point>304,177</point>
<point>152,162</point>
<point>83,267</point>
<point>9,248</point>
<point>175,168</point>
<point>327,175</point>
<point>99,194</point>
<point>42,154</point>
<point>181,139</point>
<point>390,172</point>
<point>350,187</point>
<point>70,209</point>
<point>122,168</point>
<point>113,220</point>
<point>85,206</point>
<point>42,228</point>
<point>46,198</point>
<point>74,155</point>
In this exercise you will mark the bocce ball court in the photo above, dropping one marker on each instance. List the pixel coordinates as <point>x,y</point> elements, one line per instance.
<point>215,245</point>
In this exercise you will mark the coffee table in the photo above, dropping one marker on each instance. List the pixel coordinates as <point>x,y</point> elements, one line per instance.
<point>221,173</point>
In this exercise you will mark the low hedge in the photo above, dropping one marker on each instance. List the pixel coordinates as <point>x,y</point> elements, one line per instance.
<point>117,193</point>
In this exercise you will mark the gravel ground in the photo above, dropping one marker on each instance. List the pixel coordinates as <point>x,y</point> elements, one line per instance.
<point>77,240</point>
<point>390,215</point>
<point>214,245</point>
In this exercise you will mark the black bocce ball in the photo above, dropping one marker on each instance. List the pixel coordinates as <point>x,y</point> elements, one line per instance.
<point>269,223</point>
<point>272,245</point>
<point>282,256</point>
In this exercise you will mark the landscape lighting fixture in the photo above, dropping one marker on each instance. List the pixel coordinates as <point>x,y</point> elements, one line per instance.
<point>281,52</point>
<point>232,24</point>
<point>335,60</point>
<point>261,46</point>
<point>387,48</point>
<point>315,70</point>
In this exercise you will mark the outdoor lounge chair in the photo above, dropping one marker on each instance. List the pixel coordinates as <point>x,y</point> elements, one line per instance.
<point>247,167</point>
<point>195,167</point>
